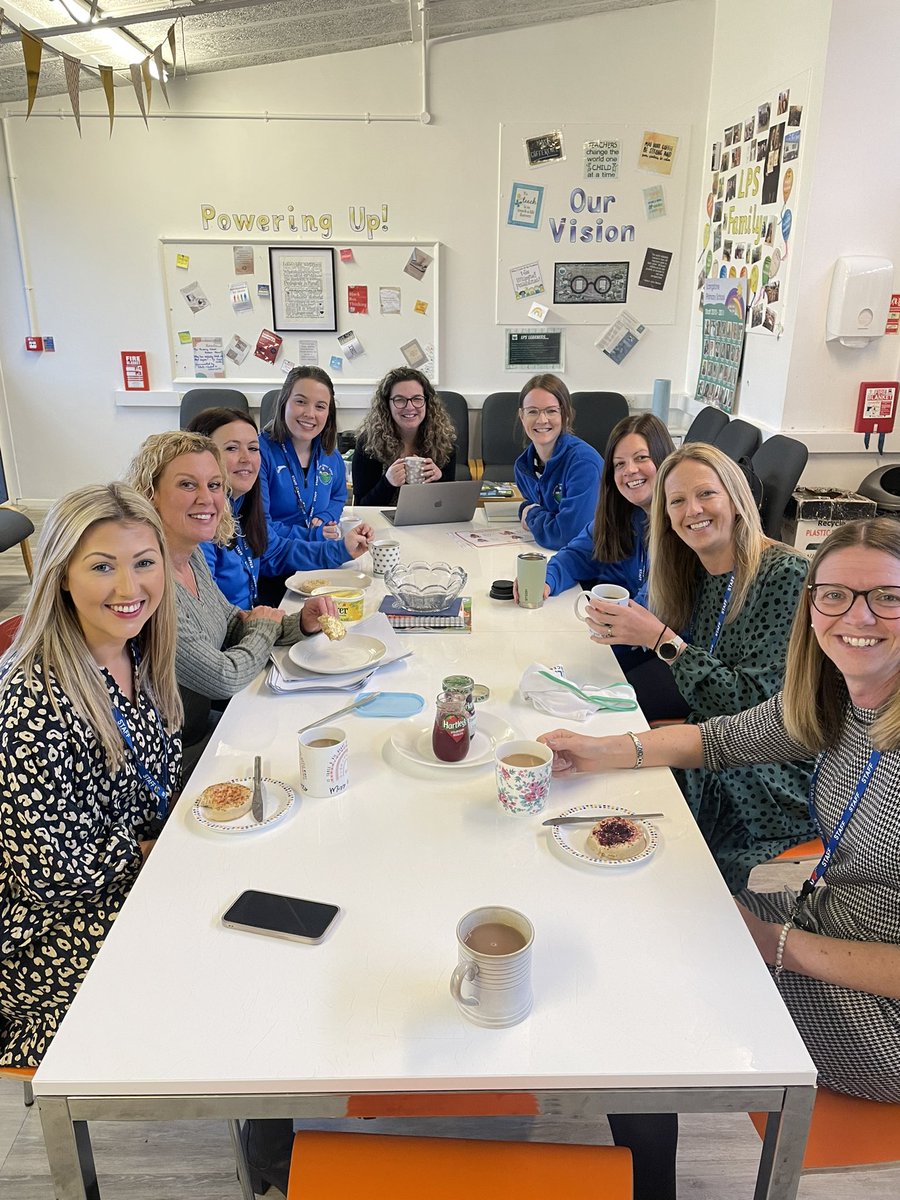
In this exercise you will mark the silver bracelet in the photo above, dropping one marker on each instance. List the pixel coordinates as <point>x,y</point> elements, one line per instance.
<point>638,750</point>
<point>779,949</point>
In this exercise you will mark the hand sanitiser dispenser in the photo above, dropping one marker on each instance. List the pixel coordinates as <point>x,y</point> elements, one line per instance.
<point>861,288</point>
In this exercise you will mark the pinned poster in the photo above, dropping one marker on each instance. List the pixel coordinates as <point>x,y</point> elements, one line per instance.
<point>243,260</point>
<point>337,363</point>
<point>527,280</point>
<point>358,299</point>
<point>655,269</point>
<point>421,307</point>
<point>654,202</point>
<point>286,366</point>
<point>239,295</point>
<point>184,337</point>
<point>418,264</point>
<point>209,358</point>
<point>182,262</point>
<point>267,346</point>
<point>195,297</point>
<point>724,314</point>
<point>351,345</point>
<point>621,337</point>
<point>538,312</point>
<point>32,48</point>
<point>346,254</point>
<point>308,354</point>
<point>657,153</point>
<point>389,301</point>
<point>73,73</point>
<point>264,291</point>
<point>601,158</point>
<point>414,354</point>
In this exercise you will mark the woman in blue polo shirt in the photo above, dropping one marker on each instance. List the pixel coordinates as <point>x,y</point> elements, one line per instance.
<point>558,474</point>
<point>303,480</point>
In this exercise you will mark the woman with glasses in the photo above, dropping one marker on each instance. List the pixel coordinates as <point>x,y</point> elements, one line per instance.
<point>558,474</point>
<point>406,420</point>
<point>303,478</point>
<point>721,599</point>
<point>834,951</point>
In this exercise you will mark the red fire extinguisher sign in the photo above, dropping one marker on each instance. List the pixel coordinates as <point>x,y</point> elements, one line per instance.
<point>134,371</point>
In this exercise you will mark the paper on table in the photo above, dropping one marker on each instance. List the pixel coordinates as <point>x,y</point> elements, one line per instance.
<point>292,678</point>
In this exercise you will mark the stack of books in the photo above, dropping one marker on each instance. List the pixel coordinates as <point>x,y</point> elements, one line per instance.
<point>455,619</point>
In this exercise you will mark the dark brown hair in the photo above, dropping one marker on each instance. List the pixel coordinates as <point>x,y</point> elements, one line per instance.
<point>252,516</point>
<point>277,427</point>
<point>435,437</point>
<point>555,386</point>
<point>613,528</point>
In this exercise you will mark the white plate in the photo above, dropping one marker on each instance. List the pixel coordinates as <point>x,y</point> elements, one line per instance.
<point>351,653</point>
<point>413,741</point>
<point>573,838</point>
<point>305,581</point>
<point>278,800</point>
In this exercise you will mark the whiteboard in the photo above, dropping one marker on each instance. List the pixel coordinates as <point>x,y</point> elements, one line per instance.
<point>199,275</point>
<point>594,229</point>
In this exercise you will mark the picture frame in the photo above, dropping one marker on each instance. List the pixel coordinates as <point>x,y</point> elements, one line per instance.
<point>525,203</point>
<point>304,294</point>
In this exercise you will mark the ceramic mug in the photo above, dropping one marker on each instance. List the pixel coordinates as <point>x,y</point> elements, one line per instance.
<point>385,554</point>
<point>324,761</point>
<point>491,983</point>
<point>414,466</point>
<point>610,592</point>
<point>523,771</point>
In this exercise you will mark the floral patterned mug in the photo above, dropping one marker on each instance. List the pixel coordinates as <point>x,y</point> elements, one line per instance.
<point>523,776</point>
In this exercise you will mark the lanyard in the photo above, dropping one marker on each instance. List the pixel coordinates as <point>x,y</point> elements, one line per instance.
<point>642,560</point>
<point>149,780</point>
<point>841,828</point>
<point>720,620</point>
<point>243,553</point>
<point>314,466</point>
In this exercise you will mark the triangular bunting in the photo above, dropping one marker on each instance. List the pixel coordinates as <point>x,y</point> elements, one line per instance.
<point>106,77</point>
<point>138,84</point>
<point>171,36</point>
<point>161,72</point>
<point>73,73</point>
<point>32,48</point>
<point>148,80</point>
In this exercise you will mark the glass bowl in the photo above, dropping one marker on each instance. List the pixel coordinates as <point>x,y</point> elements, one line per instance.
<point>425,587</point>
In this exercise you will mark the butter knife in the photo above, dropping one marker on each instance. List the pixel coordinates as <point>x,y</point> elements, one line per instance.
<point>599,816</point>
<point>257,804</point>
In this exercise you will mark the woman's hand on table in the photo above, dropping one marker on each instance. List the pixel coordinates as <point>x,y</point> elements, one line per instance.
<point>575,752</point>
<point>262,612</point>
<point>621,625</point>
<point>315,607</point>
<point>396,473</point>
<point>358,538</point>
<point>525,511</point>
<point>332,531</point>
<point>516,590</point>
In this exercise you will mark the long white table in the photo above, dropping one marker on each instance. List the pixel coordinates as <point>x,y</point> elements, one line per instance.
<point>649,993</point>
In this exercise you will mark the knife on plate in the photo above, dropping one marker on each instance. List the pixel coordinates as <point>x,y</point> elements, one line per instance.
<point>573,820</point>
<point>256,806</point>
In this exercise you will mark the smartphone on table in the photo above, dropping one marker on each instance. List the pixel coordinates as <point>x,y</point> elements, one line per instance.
<point>281,916</point>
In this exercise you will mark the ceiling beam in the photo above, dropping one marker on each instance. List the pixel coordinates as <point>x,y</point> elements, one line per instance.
<point>159,14</point>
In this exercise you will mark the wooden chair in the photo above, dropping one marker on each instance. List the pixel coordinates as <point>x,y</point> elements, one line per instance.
<point>847,1132</point>
<point>346,1166</point>
<point>26,1074</point>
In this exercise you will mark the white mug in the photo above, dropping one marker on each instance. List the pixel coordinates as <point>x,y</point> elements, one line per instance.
<point>324,761</point>
<point>385,554</point>
<point>491,983</point>
<point>610,592</point>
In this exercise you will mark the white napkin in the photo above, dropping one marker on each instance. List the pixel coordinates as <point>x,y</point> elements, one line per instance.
<point>548,690</point>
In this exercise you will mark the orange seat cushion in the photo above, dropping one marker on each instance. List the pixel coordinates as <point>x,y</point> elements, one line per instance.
<point>20,1072</point>
<point>814,848</point>
<point>847,1132</point>
<point>347,1166</point>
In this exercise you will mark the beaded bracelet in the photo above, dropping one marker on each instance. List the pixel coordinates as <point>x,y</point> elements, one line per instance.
<point>638,750</point>
<point>779,949</point>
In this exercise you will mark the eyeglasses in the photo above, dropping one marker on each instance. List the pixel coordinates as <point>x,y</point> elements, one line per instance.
<point>533,413</point>
<point>833,599</point>
<point>416,402</point>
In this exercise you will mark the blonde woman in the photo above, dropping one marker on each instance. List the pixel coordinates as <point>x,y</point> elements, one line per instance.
<point>220,648</point>
<point>89,750</point>
<point>721,599</point>
<point>407,419</point>
<point>834,951</point>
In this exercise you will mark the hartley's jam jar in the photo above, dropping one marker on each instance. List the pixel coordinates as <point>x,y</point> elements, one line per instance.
<point>450,738</point>
<point>462,685</point>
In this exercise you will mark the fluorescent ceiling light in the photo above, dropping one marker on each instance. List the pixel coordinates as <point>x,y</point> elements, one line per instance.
<point>123,45</point>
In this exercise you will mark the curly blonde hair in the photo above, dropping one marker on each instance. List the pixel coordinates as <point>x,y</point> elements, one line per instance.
<point>435,437</point>
<point>162,448</point>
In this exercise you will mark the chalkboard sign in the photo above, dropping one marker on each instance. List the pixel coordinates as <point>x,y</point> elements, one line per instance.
<point>535,349</point>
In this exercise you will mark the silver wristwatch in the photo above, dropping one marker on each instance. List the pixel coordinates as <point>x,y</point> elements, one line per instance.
<point>670,650</point>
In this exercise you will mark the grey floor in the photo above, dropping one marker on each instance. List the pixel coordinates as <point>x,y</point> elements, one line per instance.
<point>718,1154</point>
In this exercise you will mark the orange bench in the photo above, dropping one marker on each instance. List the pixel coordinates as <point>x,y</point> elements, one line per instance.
<point>847,1132</point>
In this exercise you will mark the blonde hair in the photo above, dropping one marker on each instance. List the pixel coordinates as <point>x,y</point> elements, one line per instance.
<point>159,450</point>
<point>51,634</point>
<point>814,690</point>
<point>674,567</point>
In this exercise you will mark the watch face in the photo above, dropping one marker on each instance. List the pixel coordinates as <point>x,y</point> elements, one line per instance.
<point>668,651</point>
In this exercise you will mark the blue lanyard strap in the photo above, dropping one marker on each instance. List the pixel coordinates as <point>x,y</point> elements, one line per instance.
<point>720,620</point>
<point>243,552</point>
<point>314,467</point>
<point>841,828</point>
<point>149,780</point>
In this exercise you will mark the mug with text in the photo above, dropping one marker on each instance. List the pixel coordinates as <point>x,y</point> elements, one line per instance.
<point>324,761</point>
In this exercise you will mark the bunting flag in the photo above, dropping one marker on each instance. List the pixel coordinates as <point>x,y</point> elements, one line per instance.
<point>73,74</point>
<point>106,77</point>
<point>161,72</point>
<point>171,36</point>
<point>138,84</point>
<point>148,80</point>
<point>32,48</point>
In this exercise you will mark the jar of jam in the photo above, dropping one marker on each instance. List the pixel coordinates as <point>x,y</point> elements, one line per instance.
<point>450,738</point>
<point>463,685</point>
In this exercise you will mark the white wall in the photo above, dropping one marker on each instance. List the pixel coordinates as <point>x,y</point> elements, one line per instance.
<point>93,209</point>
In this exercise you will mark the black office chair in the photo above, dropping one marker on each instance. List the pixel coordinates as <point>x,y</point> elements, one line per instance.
<point>267,406</point>
<point>195,400</point>
<point>596,413</point>
<point>500,443</point>
<point>739,439</point>
<point>779,463</point>
<point>458,410</point>
<point>707,425</point>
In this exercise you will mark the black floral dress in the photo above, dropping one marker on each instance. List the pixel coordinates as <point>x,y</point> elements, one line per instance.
<point>69,834</point>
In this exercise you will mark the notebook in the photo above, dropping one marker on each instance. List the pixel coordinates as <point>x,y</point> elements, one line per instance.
<point>435,503</point>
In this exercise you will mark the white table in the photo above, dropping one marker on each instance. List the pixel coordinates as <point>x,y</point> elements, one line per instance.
<point>649,992</point>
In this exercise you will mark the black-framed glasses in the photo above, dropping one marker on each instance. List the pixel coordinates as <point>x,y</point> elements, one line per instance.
<point>834,599</point>
<point>416,402</point>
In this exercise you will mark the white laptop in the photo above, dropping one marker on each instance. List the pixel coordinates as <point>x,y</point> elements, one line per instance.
<point>435,503</point>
